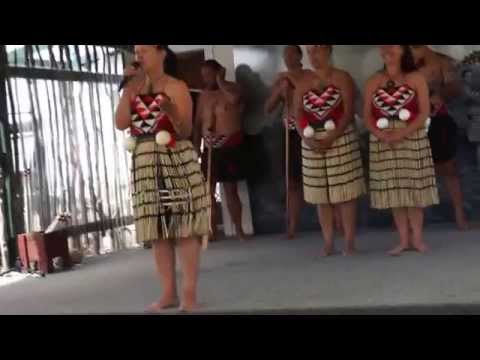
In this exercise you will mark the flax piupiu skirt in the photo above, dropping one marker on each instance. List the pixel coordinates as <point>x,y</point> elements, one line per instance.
<point>171,199</point>
<point>402,175</point>
<point>335,176</point>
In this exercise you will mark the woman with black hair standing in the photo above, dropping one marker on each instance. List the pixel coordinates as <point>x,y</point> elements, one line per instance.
<point>170,197</point>
<point>331,160</point>
<point>402,176</point>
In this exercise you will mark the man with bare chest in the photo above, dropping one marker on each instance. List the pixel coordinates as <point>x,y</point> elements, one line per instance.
<point>282,93</point>
<point>218,121</point>
<point>439,71</point>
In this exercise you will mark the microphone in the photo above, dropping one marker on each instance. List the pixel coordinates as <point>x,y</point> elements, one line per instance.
<point>127,79</point>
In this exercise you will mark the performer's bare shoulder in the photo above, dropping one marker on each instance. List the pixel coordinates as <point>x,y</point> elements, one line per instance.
<point>297,77</point>
<point>446,60</point>
<point>416,80</point>
<point>340,78</point>
<point>375,80</point>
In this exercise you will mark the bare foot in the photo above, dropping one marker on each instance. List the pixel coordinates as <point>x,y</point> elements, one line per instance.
<point>410,247</point>
<point>396,251</point>
<point>462,225</point>
<point>163,304</point>
<point>189,307</point>
<point>290,236</point>
<point>327,251</point>
<point>421,247</point>
<point>244,238</point>
<point>349,252</point>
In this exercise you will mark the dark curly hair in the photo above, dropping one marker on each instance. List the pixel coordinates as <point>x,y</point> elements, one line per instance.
<point>297,48</point>
<point>212,64</point>
<point>407,63</point>
<point>170,64</point>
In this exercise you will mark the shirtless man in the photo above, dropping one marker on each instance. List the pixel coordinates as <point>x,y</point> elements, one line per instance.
<point>444,85</point>
<point>283,90</point>
<point>218,121</point>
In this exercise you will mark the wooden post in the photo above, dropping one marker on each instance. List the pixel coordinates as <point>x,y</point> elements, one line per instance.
<point>13,215</point>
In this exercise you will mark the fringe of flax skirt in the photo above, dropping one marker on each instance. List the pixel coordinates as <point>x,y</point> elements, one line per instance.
<point>402,176</point>
<point>170,197</point>
<point>335,176</point>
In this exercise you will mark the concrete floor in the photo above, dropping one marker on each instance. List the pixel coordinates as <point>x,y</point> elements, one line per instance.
<point>274,276</point>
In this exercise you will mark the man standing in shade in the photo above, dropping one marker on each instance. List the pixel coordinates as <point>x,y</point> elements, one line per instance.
<point>218,121</point>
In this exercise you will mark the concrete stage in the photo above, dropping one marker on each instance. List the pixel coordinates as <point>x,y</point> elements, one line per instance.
<point>271,275</point>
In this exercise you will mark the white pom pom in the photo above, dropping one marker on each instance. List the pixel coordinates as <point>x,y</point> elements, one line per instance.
<point>163,138</point>
<point>330,125</point>
<point>428,123</point>
<point>130,144</point>
<point>382,123</point>
<point>308,132</point>
<point>404,115</point>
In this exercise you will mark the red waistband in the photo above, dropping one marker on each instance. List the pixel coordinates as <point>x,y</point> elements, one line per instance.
<point>222,141</point>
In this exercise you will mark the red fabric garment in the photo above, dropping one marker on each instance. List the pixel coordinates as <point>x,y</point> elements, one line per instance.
<point>387,103</point>
<point>321,106</point>
<point>148,118</point>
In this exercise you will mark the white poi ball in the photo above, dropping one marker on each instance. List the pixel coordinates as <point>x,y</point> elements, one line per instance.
<point>330,125</point>
<point>382,123</point>
<point>130,144</point>
<point>163,138</point>
<point>428,122</point>
<point>308,132</point>
<point>404,115</point>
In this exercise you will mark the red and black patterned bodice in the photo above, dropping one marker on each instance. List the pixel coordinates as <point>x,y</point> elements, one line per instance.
<point>388,102</point>
<point>148,117</point>
<point>322,106</point>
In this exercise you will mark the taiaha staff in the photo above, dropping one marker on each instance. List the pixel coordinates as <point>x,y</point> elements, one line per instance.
<point>211,130</point>
<point>287,164</point>
<point>287,154</point>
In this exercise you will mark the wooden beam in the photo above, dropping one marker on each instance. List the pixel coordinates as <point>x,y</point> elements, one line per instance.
<point>8,185</point>
<point>60,75</point>
<point>100,226</point>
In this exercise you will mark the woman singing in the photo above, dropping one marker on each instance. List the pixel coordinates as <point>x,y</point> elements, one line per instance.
<point>170,198</point>
<point>402,176</point>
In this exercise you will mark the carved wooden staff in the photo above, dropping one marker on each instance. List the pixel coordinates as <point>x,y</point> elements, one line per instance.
<point>287,158</point>
<point>211,130</point>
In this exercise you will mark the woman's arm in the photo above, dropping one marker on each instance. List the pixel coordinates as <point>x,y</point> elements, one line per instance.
<point>123,116</point>
<point>420,85</point>
<point>299,112</point>
<point>346,87</point>
<point>179,109</point>
<point>370,88</point>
